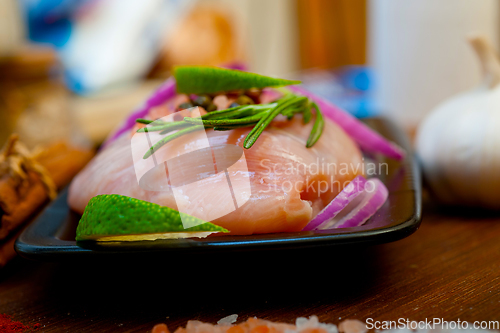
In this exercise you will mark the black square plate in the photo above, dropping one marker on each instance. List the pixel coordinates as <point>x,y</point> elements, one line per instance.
<point>51,236</point>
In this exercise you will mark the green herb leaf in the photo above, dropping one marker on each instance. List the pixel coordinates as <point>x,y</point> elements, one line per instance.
<point>222,122</point>
<point>239,111</point>
<point>307,115</point>
<point>165,128</point>
<point>258,116</point>
<point>283,104</point>
<point>143,121</point>
<point>171,137</point>
<point>206,80</point>
<point>317,129</point>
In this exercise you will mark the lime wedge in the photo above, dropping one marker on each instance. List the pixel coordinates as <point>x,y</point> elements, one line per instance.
<point>206,80</point>
<point>119,215</point>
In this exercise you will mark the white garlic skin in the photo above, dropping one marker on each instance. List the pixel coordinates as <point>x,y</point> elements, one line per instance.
<point>459,147</point>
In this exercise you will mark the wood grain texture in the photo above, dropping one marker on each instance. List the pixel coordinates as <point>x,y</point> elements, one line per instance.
<point>448,269</point>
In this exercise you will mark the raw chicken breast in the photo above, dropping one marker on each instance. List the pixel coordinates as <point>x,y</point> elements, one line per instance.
<point>289,183</point>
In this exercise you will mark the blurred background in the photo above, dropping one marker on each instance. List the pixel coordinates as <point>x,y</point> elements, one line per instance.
<point>73,69</point>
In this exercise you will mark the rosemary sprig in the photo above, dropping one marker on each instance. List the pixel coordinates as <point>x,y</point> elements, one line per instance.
<point>231,112</point>
<point>317,129</point>
<point>239,111</point>
<point>254,134</point>
<point>170,137</point>
<point>173,128</point>
<point>165,128</point>
<point>307,114</point>
<point>257,115</point>
<point>228,127</point>
<point>223,122</point>
<point>145,121</point>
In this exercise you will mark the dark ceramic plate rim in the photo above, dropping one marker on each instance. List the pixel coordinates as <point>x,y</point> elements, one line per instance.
<point>41,241</point>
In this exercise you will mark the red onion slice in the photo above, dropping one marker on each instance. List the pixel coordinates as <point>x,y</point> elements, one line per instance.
<point>365,206</point>
<point>352,207</point>
<point>355,188</point>
<point>366,138</point>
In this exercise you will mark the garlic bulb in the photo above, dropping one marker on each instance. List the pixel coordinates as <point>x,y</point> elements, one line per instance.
<point>459,142</point>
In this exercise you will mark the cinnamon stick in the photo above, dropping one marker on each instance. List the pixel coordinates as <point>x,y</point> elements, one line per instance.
<point>19,201</point>
<point>18,204</point>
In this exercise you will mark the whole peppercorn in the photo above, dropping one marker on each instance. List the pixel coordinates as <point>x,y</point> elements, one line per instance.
<point>185,105</point>
<point>211,107</point>
<point>244,100</point>
<point>203,101</point>
<point>254,94</point>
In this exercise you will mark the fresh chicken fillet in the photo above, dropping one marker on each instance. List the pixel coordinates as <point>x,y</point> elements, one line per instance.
<point>289,183</point>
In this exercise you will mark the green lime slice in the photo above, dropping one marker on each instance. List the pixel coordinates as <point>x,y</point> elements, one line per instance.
<point>206,80</point>
<point>108,216</point>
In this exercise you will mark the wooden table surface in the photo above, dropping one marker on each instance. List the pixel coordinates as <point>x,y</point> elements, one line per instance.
<point>448,269</point>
